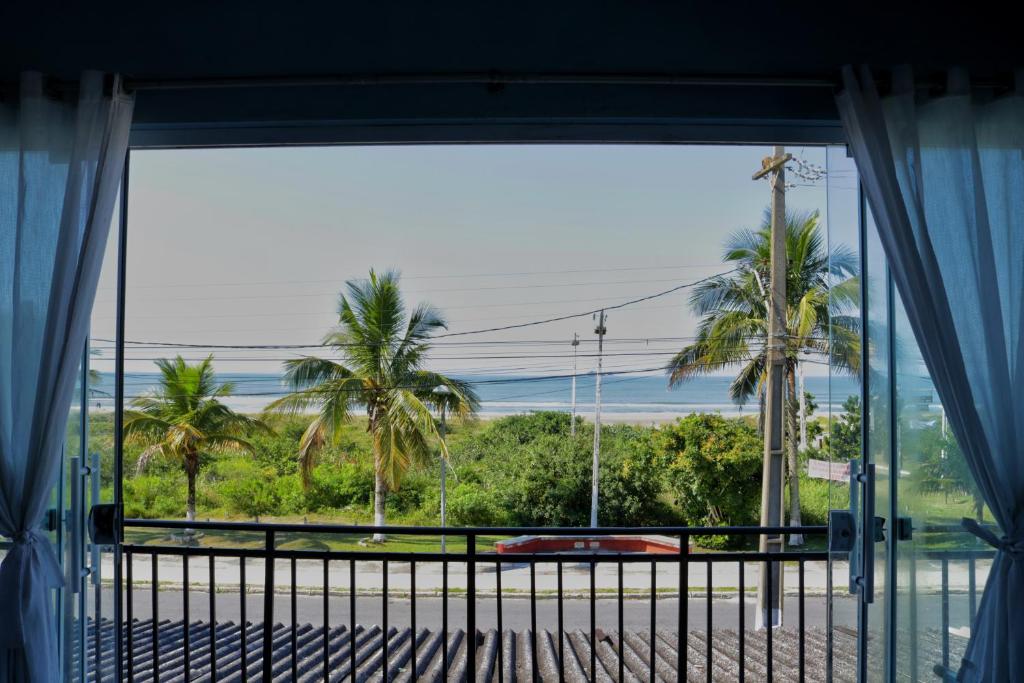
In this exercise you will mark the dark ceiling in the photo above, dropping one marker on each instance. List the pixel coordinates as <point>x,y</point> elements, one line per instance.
<point>202,40</point>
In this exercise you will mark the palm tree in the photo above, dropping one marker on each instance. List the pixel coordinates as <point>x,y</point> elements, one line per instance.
<point>183,419</point>
<point>381,350</point>
<point>821,295</point>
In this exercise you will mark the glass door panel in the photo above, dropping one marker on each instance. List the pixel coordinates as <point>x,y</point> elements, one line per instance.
<point>843,431</point>
<point>875,608</point>
<point>928,572</point>
<point>940,568</point>
<point>70,537</point>
<point>99,595</point>
<point>841,435</point>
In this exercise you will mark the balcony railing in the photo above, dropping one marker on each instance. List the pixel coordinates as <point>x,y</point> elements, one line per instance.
<point>452,618</point>
<point>164,649</point>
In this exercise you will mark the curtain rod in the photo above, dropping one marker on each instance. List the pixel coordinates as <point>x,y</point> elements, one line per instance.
<point>487,79</point>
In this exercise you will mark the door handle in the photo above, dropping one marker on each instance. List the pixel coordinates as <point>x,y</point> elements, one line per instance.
<point>103,522</point>
<point>855,513</point>
<point>95,569</point>
<point>77,563</point>
<point>871,528</point>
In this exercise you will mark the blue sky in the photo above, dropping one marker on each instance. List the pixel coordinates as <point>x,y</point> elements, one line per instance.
<point>251,246</point>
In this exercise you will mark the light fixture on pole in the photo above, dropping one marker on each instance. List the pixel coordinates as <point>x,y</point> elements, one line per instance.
<point>441,391</point>
<point>575,343</point>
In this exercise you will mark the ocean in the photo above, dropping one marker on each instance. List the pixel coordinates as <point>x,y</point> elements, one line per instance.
<point>623,397</point>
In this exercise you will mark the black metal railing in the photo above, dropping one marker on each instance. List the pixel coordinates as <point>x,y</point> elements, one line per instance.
<point>269,651</point>
<point>939,655</point>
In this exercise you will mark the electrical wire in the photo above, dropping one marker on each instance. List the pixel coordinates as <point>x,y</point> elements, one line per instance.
<point>502,328</point>
<point>614,269</point>
<point>301,295</point>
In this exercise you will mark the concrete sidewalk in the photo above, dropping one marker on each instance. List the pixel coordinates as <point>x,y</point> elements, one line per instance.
<point>515,578</point>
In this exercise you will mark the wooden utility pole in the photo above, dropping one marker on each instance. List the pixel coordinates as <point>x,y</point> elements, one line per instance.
<point>769,594</point>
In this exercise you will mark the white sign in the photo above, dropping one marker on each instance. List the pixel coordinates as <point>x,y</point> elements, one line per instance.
<point>823,469</point>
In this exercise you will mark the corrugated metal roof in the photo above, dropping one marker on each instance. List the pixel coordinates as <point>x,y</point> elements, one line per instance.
<point>515,646</point>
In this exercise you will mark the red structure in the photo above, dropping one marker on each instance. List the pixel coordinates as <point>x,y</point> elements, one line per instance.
<point>594,544</point>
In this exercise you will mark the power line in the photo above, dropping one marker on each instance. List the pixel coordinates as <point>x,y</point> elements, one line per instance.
<point>451,323</point>
<point>482,331</point>
<point>276,314</point>
<point>137,345</point>
<point>153,346</point>
<point>314,392</point>
<point>106,345</point>
<point>420,277</point>
<point>590,312</point>
<point>566,356</point>
<point>335,293</point>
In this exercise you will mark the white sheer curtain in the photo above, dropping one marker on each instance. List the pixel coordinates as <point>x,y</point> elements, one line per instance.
<point>945,179</point>
<point>60,165</point>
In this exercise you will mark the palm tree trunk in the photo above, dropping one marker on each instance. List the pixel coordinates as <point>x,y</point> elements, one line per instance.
<point>188,535</point>
<point>760,413</point>
<point>380,490</point>
<point>794,468</point>
<point>191,467</point>
<point>379,495</point>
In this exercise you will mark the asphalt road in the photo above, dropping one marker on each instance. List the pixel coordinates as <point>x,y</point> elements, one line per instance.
<point>516,612</point>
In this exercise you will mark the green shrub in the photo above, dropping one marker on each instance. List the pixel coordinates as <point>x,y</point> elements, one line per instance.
<point>155,496</point>
<point>472,505</point>
<point>844,431</point>
<point>276,452</point>
<point>409,496</point>
<point>818,496</point>
<point>293,498</point>
<point>529,471</point>
<point>338,486</point>
<point>632,478</point>
<point>714,471</point>
<point>243,486</point>
<point>548,484</point>
<point>252,496</point>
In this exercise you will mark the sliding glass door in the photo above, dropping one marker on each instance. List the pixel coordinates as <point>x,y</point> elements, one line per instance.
<point>928,572</point>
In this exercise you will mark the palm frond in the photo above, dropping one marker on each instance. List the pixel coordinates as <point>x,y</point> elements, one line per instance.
<point>302,373</point>
<point>461,401</point>
<point>407,427</point>
<point>223,441</point>
<point>140,426</point>
<point>821,288</point>
<point>750,380</point>
<point>147,456</point>
<point>313,439</point>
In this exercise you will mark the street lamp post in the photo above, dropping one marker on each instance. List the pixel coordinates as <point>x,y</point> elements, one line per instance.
<point>442,391</point>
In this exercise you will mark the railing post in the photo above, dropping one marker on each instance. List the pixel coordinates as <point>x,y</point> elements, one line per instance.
<point>945,614</point>
<point>683,627</point>
<point>268,609</point>
<point>972,591</point>
<point>471,607</point>
<point>186,609</point>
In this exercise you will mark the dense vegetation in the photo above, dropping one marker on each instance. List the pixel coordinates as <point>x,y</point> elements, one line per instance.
<point>521,470</point>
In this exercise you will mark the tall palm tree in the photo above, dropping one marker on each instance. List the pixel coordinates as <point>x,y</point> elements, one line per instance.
<point>821,296</point>
<point>381,350</point>
<point>184,419</point>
